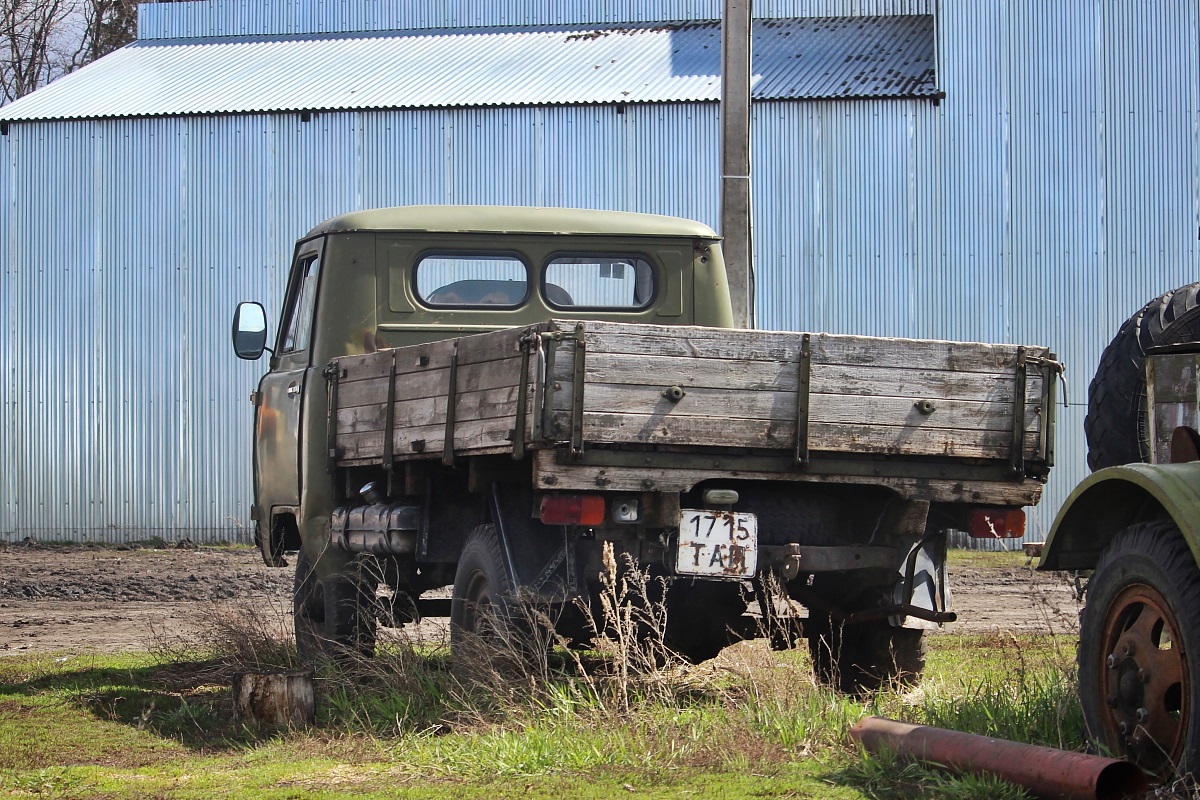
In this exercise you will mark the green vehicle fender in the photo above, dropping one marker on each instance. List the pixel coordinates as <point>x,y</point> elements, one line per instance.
<point>1110,500</point>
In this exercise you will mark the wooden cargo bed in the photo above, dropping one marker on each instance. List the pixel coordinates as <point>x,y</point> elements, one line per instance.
<point>584,385</point>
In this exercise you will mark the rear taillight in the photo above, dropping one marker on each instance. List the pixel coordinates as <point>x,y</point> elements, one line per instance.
<point>572,509</point>
<point>997,523</point>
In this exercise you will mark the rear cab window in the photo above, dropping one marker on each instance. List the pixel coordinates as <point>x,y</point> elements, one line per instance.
<point>600,282</point>
<point>471,280</point>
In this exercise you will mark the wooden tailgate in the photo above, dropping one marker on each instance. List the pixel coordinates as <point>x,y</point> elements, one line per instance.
<point>743,389</point>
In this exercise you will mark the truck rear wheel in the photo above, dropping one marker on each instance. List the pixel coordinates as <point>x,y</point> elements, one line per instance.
<point>484,620</point>
<point>864,657</point>
<point>1140,696</point>
<point>332,618</point>
<point>1116,420</point>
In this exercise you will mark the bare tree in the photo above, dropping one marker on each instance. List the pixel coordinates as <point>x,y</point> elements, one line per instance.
<point>109,25</point>
<point>27,30</point>
<point>43,39</point>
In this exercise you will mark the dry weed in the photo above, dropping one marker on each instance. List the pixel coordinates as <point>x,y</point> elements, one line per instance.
<point>247,637</point>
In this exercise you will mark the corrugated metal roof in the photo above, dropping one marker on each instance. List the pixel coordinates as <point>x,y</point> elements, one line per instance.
<point>184,20</point>
<point>793,59</point>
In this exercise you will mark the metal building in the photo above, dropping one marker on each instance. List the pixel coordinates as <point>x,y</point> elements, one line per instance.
<point>993,170</point>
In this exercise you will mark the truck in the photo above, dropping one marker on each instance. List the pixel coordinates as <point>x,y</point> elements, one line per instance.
<point>1131,529</point>
<point>488,398</point>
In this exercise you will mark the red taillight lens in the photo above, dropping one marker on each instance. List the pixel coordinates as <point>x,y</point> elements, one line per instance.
<point>997,523</point>
<point>572,509</point>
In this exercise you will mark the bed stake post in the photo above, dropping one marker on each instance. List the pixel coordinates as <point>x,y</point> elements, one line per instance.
<point>804,376</point>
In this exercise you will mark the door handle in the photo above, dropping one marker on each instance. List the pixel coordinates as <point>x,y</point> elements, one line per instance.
<point>293,389</point>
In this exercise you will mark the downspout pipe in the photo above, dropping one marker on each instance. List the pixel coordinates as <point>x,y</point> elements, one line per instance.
<point>1044,771</point>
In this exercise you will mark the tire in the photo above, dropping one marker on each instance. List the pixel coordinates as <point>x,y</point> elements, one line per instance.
<point>333,619</point>
<point>1142,614</point>
<point>484,621</point>
<point>866,657</point>
<point>1115,424</point>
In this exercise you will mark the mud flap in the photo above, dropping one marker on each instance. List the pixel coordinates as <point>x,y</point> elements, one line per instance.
<point>540,559</point>
<point>922,582</point>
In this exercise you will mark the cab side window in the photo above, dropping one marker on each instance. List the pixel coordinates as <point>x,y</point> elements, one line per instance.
<point>304,293</point>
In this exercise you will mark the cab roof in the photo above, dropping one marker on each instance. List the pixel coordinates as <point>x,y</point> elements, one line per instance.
<point>513,219</point>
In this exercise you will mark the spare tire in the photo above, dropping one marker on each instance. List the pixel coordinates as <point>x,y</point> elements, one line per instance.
<point>1115,425</point>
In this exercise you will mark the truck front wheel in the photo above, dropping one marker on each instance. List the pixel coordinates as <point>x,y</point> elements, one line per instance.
<point>1140,695</point>
<point>333,618</point>
<point>864,657</point>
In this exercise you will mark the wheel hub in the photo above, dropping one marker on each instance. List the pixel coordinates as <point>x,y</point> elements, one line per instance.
<point>1129,689</point>
<point>1144,679</point>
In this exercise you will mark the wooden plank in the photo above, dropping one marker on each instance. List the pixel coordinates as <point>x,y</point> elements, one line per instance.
<point>470,438</point>
<point>964,415</point>
<point>779,434</point>
<point>490,375</point>
<point>491,404</point>
<point>663,371</point>
<point>547,473</point>
<point>476,349</point>
<point>497,345</point>
<point>412,359</point>
<point>718,343</point>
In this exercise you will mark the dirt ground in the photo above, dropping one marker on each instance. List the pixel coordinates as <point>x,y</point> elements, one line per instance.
<point>92,599</point>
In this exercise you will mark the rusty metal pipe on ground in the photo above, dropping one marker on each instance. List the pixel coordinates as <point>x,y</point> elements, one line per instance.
<point>1044,771</point>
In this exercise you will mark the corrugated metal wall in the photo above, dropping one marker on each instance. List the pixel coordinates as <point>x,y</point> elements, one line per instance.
<point>1070,172</point>
<point>204,18</point>
<point>1054,190</point>
<point>8,342</point>
<point>130,242</point>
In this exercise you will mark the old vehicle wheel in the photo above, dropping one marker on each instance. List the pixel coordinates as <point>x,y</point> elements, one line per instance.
<point>1116,420</point>
<point>332,618</point>
<point>1140,696</point>
<point>864,657</point>
<point>483,622</point>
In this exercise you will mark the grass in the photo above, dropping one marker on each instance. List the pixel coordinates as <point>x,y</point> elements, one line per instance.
<point>594,725</point>
<point>750,724</point>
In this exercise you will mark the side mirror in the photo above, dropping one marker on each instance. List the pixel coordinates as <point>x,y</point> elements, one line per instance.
<point>249,331</point>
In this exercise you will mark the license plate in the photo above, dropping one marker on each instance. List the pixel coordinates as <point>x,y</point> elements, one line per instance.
<point>717,544</point>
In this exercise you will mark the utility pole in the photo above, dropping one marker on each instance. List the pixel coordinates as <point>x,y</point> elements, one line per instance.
<point>735,158</point>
